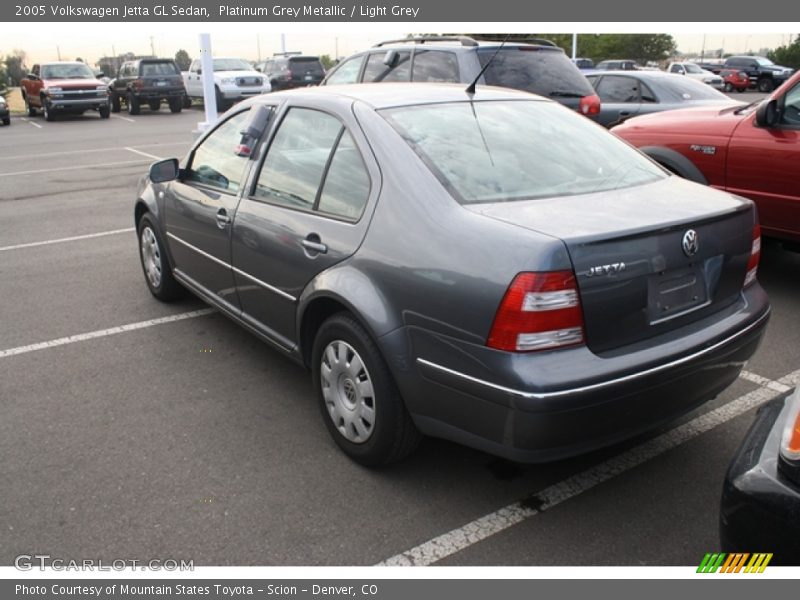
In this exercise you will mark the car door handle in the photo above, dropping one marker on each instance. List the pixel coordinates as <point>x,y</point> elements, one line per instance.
<point>314,245</point>
<point>223,220</point>
<point>624,113</point>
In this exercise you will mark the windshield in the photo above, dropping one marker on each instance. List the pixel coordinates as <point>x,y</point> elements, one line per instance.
<point>67,71</point>
<point>231,64</point>
<point>502,151</point>
<point>764,62</point>
<point>690,68</point>
<point>683,89</point>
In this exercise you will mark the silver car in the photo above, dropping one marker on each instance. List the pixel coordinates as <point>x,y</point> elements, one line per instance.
<point>489,267</point>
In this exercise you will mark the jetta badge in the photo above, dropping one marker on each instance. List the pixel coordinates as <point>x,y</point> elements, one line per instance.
<point>690,243</point>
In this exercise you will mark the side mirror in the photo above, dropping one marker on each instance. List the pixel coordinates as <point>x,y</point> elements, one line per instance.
<point>767,114</point>
<point>164,170</point>
<point>390,58</point>
<point>199,71</point>
<point>32,76</point>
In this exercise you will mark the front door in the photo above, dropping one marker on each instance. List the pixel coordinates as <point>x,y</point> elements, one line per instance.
<point>199,211</point>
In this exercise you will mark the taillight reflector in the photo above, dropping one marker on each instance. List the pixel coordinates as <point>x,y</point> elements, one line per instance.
<point>755,256</point>
<point>539,311</point>
<point>590,105</point>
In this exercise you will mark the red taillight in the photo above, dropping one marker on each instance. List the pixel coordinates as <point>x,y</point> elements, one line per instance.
<point>539,311</point>
<point>590,105</point>
<point>755,256</point>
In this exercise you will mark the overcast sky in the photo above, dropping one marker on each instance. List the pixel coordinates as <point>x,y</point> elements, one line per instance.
<point>44,41</point>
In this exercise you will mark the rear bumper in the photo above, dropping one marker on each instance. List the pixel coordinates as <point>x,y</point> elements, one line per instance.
<point>760,509</point>
<point>548,406</point>
<point>161,94</point>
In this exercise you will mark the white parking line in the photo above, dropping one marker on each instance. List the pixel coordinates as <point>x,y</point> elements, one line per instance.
<point>82,337</point>
<point>32,123</point>
<point>74,168</point>
<point>90,150</point>
<point>124,118</point>
<point>135,151</point>
<point>463,537</point>
<point>66,239</point>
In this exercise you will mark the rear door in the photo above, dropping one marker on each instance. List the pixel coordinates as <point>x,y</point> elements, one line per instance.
<point>160,75</point>
<point>199,209</point>
<point>306,209</point>
<point>620,98</point>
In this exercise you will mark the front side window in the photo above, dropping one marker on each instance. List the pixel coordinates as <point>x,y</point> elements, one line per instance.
<point>378,71</point>
<point>499,151</point>
<point>435,66</point>
<point>214,162</point>
<point>790,115</point>
<point>314,165</point>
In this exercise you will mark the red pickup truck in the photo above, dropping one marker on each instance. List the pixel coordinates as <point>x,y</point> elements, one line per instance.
<point>752,150</point>
<point>64,87</point>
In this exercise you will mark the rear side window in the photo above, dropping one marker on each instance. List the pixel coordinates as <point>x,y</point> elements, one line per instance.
<point>502,151</point>
<point>613,88</point>
<point>399,70</point>
<point>534,70</point>
<point>347,72</point>
<point>435,66</point>
<point>159,69</point>
<point>314,165</point>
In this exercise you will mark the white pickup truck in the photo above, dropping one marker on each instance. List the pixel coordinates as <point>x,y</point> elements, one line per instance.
<point>234,79</point>
<point>692,71</point>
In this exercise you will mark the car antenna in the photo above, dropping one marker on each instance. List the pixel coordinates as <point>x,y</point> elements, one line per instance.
<point>471,87</point>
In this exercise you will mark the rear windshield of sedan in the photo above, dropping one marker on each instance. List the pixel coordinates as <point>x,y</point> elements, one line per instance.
<point>685,89</point>
<point>498,151</point>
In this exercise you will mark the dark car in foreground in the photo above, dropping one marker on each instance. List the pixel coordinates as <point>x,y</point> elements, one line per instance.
<point>540,68</point>
<point>752,150</point>
<point>489,268</point>
<point>5,113</point>
<point>760,509</point>
<point>626,94</point>
<point>149,81</point>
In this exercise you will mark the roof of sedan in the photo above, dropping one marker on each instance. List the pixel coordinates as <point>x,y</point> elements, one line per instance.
<point>385,95</point>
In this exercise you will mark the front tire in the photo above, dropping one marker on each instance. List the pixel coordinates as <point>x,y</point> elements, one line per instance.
<point>47,110</point>
<point>765,85</point>
<point>154,104</point>
<point>31,109</point>
<point>155,265</point>
<point>729,87</point>
<point>105,111</point>
<point>360,403</point>
<point>6,120</point>
<point>175,105</point>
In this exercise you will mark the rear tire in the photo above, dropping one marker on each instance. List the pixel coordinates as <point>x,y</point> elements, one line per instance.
<point>155,265</point>
<point>176,104</point>
<point>729,87</point>
<point>116,102</point>
<point>133,104</point>
<point>31,109</point>
<point>359,400</point>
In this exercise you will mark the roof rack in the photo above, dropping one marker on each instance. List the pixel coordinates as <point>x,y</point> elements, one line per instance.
<point>533,40</point>
<point>294,53</point>
<point>465,40</point>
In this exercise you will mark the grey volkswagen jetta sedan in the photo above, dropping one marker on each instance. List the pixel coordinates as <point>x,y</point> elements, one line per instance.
<point>489,268</point>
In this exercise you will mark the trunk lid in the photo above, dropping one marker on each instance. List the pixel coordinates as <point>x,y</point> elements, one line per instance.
<point>634,277</point>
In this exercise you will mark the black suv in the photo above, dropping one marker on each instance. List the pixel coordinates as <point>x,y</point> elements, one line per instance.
<point>149,80</point>
<point>287,71</point>
<point>764,74</point>
<point>541,68</point>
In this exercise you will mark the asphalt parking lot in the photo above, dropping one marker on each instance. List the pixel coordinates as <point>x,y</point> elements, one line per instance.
<point>184,437</point>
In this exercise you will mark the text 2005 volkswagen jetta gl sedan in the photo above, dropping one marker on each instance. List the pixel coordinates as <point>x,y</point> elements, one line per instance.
<point>489,268</point>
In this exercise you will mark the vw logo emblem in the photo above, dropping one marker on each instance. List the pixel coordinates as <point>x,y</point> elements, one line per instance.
<point>690,243</point>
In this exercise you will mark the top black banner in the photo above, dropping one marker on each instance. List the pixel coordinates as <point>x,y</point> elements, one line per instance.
<point>496,11</point>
